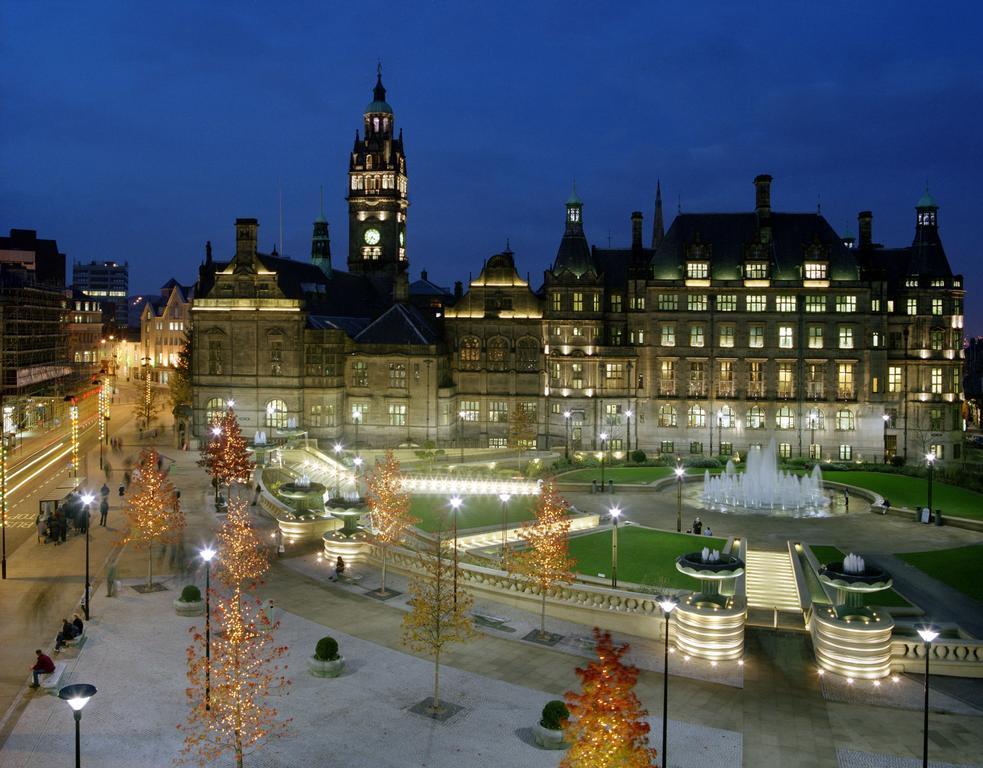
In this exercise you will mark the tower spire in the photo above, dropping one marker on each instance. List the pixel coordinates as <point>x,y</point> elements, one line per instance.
<point>658,227</point>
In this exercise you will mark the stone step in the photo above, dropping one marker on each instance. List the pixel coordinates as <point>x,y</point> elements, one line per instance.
<point>771,581</point>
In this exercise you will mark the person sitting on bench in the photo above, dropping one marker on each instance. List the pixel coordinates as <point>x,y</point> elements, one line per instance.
<point>68,632</point>
<point>77,623</point>
<point>43,666</point>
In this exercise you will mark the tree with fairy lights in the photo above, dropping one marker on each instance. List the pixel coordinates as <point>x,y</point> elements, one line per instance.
<point>545,560</point>
<point>389,508</point>
<point>607,727</point>
<point>224,455</point>
<point>152,509</point>
<point>242,669</point>
<point>436,619</point>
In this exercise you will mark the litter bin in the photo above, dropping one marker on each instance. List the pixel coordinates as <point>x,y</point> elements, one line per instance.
<point>938,517</point>
<point>610,486</point>
<point>593,486</point>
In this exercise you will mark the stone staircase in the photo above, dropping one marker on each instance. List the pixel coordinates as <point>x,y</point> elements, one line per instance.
<point>770,582</point>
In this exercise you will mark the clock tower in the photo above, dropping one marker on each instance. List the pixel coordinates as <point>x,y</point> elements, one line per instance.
<point>377,199</point>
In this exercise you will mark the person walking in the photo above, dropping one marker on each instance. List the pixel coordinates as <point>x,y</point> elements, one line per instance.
<point>103,511</point>
<point>43,666</point>
<point>42,525</point>
<point>122,491</point>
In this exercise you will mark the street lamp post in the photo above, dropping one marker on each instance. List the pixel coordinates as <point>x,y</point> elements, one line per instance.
<point>679,498</point>
<point>77,696</point>
<point>886,418</point>
<point>604,440</point>
<point>357,461</point>
<point>356,419</point>
<point>87,499</point>
<point>667,604</point>
<point>460,433</point>
<point>566,445</point>
<point>930,460</point>
<point>628,414</point>
<point>207,554</point>
<point>720,424</point>
<point>615,514</point>
<point>456,502</point>
<point>216,433</point>
<point>813,420</point>
<point>928,634</point>
<point>3,494</point>
<point>504,498</point>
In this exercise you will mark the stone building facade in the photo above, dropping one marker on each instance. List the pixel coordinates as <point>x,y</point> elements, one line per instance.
<point>164,323</point>
<point>718,334</point>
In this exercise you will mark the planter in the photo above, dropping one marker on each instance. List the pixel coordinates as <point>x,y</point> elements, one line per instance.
<point>321,668</point>
<point>196,608</point>
<point>548,738</point>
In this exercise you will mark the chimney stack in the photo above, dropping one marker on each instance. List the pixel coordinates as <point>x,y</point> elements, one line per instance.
<point>246,231</point>
<point>762,195</point>
<point>401,288</point>
<point>458,290</point>
<point>865,223</point>
<point>636,230</point>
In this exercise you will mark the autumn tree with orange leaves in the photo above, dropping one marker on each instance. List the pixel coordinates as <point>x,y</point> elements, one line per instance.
<point>242,668</point>
<point>545,560</point>
<point>389,508</point>
<point>607,727</point>
<point>152,510</point>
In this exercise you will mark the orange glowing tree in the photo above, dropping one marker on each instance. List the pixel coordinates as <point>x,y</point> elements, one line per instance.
<point>607,727</point>
<point>225,455</point>
<point>545,561</point>
<point>389,508</point>
<point>242,668</point>
<point>436,619</point>
<point>152,509</point>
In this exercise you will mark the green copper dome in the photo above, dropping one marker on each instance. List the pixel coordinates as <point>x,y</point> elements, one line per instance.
<point>378,103</point>
<point>926,200</point>
<point>573,199</point>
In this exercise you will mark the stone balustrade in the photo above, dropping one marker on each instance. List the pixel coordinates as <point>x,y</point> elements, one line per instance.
<point>958,658</point>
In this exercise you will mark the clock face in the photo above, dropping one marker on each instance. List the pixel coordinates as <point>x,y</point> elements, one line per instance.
<point>402,238</point>
<point>371,236</point>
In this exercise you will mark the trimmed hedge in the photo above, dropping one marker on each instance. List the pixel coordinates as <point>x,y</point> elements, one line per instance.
<point>326,649</point>
<point>554,713</point>
<point>190,594</point>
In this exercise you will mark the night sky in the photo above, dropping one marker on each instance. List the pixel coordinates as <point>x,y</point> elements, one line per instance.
<point>137,131</point>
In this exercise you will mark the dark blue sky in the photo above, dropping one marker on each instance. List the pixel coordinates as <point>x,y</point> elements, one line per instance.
<point>137,131</point>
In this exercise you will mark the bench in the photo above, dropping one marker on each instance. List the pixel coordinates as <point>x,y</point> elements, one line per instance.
<point>584,642</point>
<point>50,681</point>
<point>75,642</point>
<point>488,620</point>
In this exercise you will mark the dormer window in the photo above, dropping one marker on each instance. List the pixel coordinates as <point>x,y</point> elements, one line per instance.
<point>368,162</point>
<point>756,270</point>
<point>697,270</point>
<point>926,218</point>
<point>815,270</point>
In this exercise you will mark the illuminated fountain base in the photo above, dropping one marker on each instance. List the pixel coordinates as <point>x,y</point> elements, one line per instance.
<point>710,624</point>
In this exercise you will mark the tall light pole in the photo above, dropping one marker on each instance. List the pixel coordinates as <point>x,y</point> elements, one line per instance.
<point>628,414</point>
<point>207,554</point>
<point>357,461</point>
<point>928,634</point>
<point>667,605</point>
<point>429,362</point>
<point>566,445</point>
<point>679,498</point>
<point>455,503</point>
<point>3,494</point>
<point>604,440</point>
<point>216,433</point>
<point>930,460</point>
<point>720,424</point>
<point>356,420</point>
<point>87,499</point>
<point>886,418</point>
<point>615,514</point>
<point>338,449</point>
<point>813,422</point>
<point>77,696</point>
<point>504,498</point>
<point>460,433</point>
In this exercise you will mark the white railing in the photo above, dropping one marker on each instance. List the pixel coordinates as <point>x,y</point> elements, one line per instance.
<point>473,486</point>
<point>958,658</point>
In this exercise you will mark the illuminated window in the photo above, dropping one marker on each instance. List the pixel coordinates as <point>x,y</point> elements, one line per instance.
<point>668,334</point>
<point>911,282</point>
<point>784,418</point>
<point>578,331</point>
<point>846,303</point>
<point>912,306</point>
<point>214,409</point>
<point>785,340</point>
<point>667,446</point>
<point>498,411</point>
<point>727,302</point>
<point>527,353</point>
<point>785,304</point>
<point>875,305</point>
<point>846,337</point>
<point>756,417</point>
<point>697,270</point>
<point>696,417</point>
<point>894,378</point>
<point>725,417</point>
<point>756,270</point>
<point>936,306</point>
<point>845,380</point>
<point>697,302</point>
<point>786,380</point>
<point>360,413</point>
<point>615,302</point>
<point>360,374</point>
<point>668,302</point>
<point>726,336</point>
<point>936,379</point>
<point>637,336</point>
<point>577,375</point>
<point>578,301</point>
<point>815,337</point>
<point>756,303</point>
<point>397,415</point>
<point>696,447</point>
<point>667,416</point>
<point>815,270</point>
<point>846,452</point>
<point>637,302</point>
<point>397,375</point>
<point>276,414</point>
<point>469,410</point>
<point>815,303</point>
<point>497,355</point>
<point>756,336</point>
<point>936,339</point>
<point>596,302</point>
<point>696,336</point>
<point>612,417</point>
<point>556,302</point>
<point>935,420</point>
<point>614,373</point>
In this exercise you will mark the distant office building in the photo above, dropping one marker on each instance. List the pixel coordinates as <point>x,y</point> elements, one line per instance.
<point>107,281</point>
<point>39,257</point>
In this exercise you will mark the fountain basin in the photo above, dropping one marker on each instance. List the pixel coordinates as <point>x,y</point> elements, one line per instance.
<point>304,498</point>
<point>873,579</point>
<point>727,567</point>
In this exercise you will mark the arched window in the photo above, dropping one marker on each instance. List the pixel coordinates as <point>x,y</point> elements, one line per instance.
<point>528,354</point>
<point>214,409</point>
<point>725,417</point>
<point>667,416</point>
<point>756,417</point>
<point>375,124</point>
<point>844,419</point>
<point>697,417</point>
<point>276,414</point>
<point>470,353</point>
<point>785,419</point>
<point>816,420</point>
<point>498,353</point>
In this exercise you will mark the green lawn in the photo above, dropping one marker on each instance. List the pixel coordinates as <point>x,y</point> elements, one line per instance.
<point>887,599</point>
<point>475,512</point>
<point>625,474</point>
<point>645,556</point>
<point>959,568</point>
<point>904,491</point>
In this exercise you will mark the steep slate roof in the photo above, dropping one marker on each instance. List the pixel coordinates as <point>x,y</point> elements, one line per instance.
<point>400,324</point>
<point>574,255</point>
<point>615,263</point>
<point>728,234</point>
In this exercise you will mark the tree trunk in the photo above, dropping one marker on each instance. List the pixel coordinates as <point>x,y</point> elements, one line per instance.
<point>542,618</point>
<point>436,682</point>
<point>385,552</point>
<point>150,566</point>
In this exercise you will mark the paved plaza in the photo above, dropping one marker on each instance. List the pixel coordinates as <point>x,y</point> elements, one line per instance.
<point>771,712</point>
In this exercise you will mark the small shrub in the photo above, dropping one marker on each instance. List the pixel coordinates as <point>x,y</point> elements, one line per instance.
<point>897,461</point>
<point>190,594</point>
<point>638,456</point>
<point>703,462</point>
<point>326,649</point>
<point>554,713</point>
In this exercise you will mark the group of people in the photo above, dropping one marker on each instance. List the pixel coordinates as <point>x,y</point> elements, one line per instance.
<point>698,529</point>
<point>69,631</point>
<point>71,514</point>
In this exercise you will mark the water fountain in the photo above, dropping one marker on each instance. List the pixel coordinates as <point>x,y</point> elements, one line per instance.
<point>763,486</point>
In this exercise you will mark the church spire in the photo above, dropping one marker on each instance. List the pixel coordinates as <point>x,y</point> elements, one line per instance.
<point>658,227</point>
